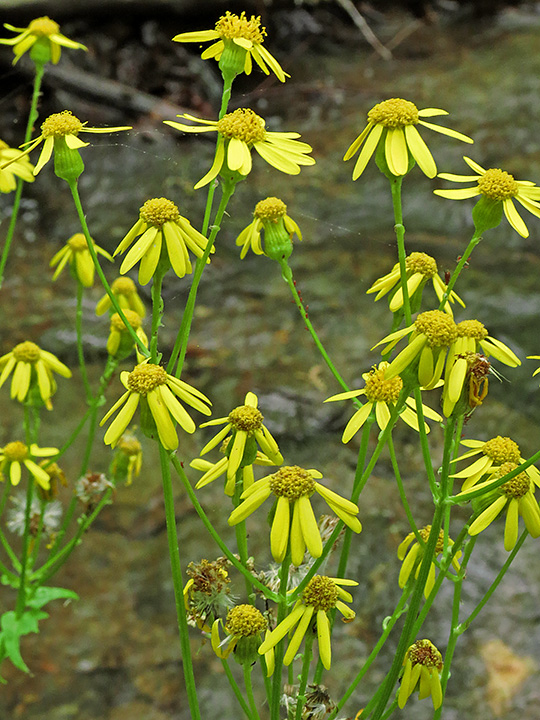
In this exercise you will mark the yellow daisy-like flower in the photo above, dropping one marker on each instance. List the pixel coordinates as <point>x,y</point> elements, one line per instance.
<point>321,595</point>
<point>271,216</point>
<point>76,253</point>
<point>16,454</point>
<point>516,497</point>
<point>534,357</point>
<point>245,426</point>
<point>128,459</point>
<point>412,555</point>
<point>18,167</point>
<point>393,124</point>
<point>495,452</point>
<point>294,518</point>
<point>496,184</point>
<point>239,36</point>
<point>59,132</point>
<point>120,342</point>
<point>423,666</point>
<point>243,626</point>
<point>420,268</point>
<point>160,226</point>
<point>30,364</point>
<point>125,292</point>
<point>241,131</point>
<point>381,394</point>
<point>472,339</point>
<point>41,31</point>
<point>151,385</point>
<point>431,334</point>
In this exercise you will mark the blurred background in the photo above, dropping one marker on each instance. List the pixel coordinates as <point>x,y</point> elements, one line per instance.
<point>113,654</point>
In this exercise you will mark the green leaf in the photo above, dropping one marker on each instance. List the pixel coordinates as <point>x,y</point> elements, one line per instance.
<point>13,628</point>
<point>43,595</point>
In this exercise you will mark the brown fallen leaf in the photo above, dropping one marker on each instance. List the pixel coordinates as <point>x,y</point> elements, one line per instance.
<point>506,674</point>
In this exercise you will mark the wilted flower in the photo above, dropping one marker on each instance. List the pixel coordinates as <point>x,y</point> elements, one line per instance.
<point>423,666</point>
<point>127,297</point>
<point>412,555</point>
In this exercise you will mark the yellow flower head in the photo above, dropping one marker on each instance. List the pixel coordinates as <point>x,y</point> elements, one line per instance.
<point>516,496</point>
<point>271,216</point>
<point>241,39</point>
<point>412,557</point>
<point>16,166</point>
<point>243,626</point>
<point>76,253</point>
<point>498,185</point>
<point>392,124</point>
<point>60,132</point>
<point>31,366</point>
<point>16,454</point>
<point>495,452</point>
<point>120,342</point>
<point>161,228</point>
<point>128,459</point>
<point>294,519</point>
<point>241,131</point>
<point>43,36</point>
<point>423,666</point>
<point>430,336</point>
<point>125,292</point>
<point>382,395</point>
<point>244,430</point>
<point>151,385</point>
<point>321,595</point>
<point>420,268</point>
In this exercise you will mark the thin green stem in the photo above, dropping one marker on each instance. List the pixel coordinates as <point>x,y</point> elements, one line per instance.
<point>157,312</point>
<point>402,493</point>
<point>461,264</point>
<point>240,530</point>
<point>306,664</point>
<point>424,444</point>
<point>176,570</point>
<point>32,117</point>
<point>80,344</point>
<point>236,690</point>
<point>399,228</point>
<point>280,649</point>
<point>249,691</point>
<point>9,551</point>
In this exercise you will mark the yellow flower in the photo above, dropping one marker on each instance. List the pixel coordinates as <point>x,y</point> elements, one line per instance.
<point>381,394</point>
<point>534,357</point>
<point>294,517</point>
<point>472,339</point>
<point>498,185</point>
<point>239,132</point>
<point>239,35</point>
<point>18,166</point>
<point>321,595</point>
<point>30,365</point>
<point>271,216</point>
<point>412,557</point>
<point>125,292</point>
<point>423,665</point>
<point>420,268</point>
<point>59,132</point>
<point>127,462</point>
<point>517,497</point>
<point>392,124</point>
<point>76,253</point>
<point>430,335</point>
<point>245,423</point>
<point>15,454</point>
<point>42,31</point>
<point>160,225</point>
<point>155,389</point>
<point>120,342</point>
<point>243,626</point>
<point>496,452</point>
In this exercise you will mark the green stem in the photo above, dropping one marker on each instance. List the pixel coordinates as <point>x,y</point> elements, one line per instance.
<point>280,649</point>
<point>461,264</point>
<point>240,530</point>
<point>176,569</point>
<point>399,228</point>
<point>32,117</point>
<point>80,349</point>
<point>236,690</point>
<point>9,551</point>
<point>249,691</point>
<point>306,664</point>
<point>424,444</point>
<point>157,312</point>
<point>402,493</point>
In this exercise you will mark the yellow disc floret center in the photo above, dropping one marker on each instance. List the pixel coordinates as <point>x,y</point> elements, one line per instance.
<point>501,450</point>
<point>246,418</point>
<point>438,327</point>
<point>380,390</point>
<point>472,329</point>
<point>498,184</point>
<point>424,652</point>
<point>230,26</point>
<point>321,593</point>
<point>26,352</point>
<point>270,209</point>
<point>424,534</point>
<point>44,27</point>
<point>145,378</point>
<point>133,318</point>
<point>61,124</point>
<point>419,262</point>
<point>129,445</point>
<point>394,113</point>
<point>242,124</point>
<point>123,286</point>
<point>158,211</point>
<point>245,621</point>
<point>15,451</point>
<point>292,482</point>
<point>78,243</point>
<point>518,486</point>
